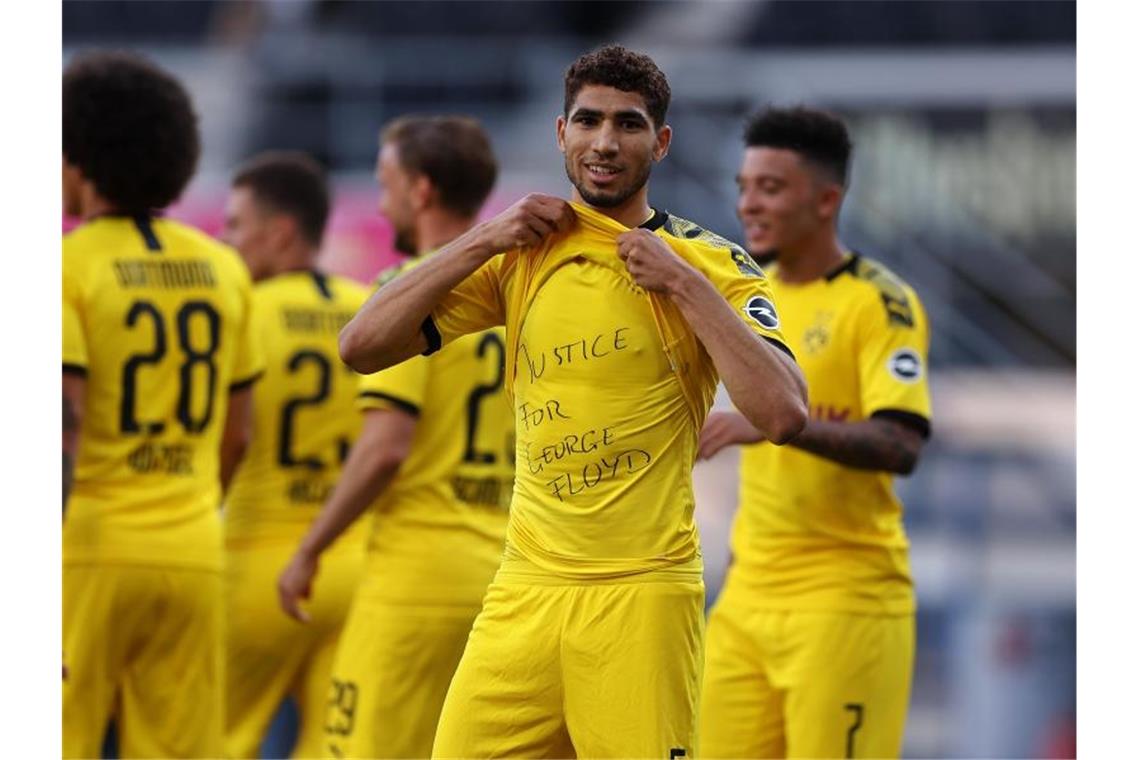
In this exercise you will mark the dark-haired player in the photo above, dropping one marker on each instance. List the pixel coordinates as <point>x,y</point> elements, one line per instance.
<point>810,645</point>
<point>434,465</point>
<point>619,319</point>
<point>304,422</point>
<point>158,365</point>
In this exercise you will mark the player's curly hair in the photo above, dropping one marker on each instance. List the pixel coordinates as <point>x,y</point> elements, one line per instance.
<point>291,183</point>
<point>623,69</point>
<point>130,128</point>
<point>454,152</point>
<point>818,136</point>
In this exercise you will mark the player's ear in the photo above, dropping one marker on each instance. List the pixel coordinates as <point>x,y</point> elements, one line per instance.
<point>560,131</point>
<point>830,196</point>
<point>661,146</point>
<point>422,192</point>
<point>282,229</point>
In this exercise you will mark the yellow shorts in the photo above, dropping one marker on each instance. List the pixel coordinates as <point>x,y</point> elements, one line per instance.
<point>598,670</point>
<point>144,643</point>
<point>390,675</point>
<point>270,656</point>
<point>804,684</point>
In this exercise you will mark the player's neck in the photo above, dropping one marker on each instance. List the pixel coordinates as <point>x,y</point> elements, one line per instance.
<point>811,261</point>
<point>91,204</point>
<point>634,212</point>
<point>296,258</point>
<point>435,229</point>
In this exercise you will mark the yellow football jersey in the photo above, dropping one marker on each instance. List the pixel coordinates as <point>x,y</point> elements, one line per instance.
<point>305,419</point>
<point>156,315</point>
<point>438,529</point>
<point>610,389</point>
<point>812,533</point>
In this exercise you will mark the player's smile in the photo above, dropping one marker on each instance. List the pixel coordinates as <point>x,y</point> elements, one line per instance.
<point>602,174</point>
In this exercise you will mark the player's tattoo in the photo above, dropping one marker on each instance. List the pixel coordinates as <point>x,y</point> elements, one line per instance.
<point>70,429</point>
<point>874,444</point>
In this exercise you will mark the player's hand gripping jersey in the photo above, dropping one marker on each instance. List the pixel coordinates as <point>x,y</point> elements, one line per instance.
<point>610,388</point>
<point>813,534</point>
<point>156,315</point>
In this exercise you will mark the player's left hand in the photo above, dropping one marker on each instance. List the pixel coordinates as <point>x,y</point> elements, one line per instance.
<point>296,583</point>
<point>725,429</point>
<point>652,263</point>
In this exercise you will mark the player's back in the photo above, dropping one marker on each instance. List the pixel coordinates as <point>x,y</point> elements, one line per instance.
<point>305,418</point>
<point>156,316</point>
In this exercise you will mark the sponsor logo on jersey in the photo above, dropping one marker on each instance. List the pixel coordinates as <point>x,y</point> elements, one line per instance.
<point>906,365</point>
<point>763,312</point>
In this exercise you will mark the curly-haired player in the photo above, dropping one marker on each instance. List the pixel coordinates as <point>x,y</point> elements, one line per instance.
<point>158,364</point>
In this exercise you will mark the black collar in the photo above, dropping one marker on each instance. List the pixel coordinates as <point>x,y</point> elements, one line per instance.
<point>655,222</point>
<point>846,266</point>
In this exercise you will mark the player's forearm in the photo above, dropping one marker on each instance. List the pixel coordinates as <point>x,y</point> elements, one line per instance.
<point>363,479</point>
<point>874,444</point>
<point>387,329</point>
<point>764,384</point>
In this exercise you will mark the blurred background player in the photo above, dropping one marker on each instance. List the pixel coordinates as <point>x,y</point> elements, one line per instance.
<point>437,448</point>
<point>810,647</point>
<point>304,423</point>
<point>158,363</point>
<point>621,318</point>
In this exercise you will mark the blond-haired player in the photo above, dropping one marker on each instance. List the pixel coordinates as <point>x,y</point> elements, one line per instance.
<point>435,461</point>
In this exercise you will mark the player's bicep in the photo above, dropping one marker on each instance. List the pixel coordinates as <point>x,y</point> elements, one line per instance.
<point>747,291</point>
<point>249,361</point>
<point>74,338</point>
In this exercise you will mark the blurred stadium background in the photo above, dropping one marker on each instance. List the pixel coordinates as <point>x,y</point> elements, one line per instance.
<point>964,119</point>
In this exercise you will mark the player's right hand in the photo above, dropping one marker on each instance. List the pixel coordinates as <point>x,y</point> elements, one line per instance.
<point>725,429</point>
<point>296,583</point>
<point>526,224</point>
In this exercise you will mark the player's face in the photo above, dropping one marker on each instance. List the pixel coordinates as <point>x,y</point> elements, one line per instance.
<point>779,201</point>
<point>395,203</point>
<point>248,229</point>
<point>610,145</point>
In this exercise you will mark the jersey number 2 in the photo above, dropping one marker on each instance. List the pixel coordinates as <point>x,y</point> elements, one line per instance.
<point>285,455</point>
<point>194,356</point>
<point>475,400</point>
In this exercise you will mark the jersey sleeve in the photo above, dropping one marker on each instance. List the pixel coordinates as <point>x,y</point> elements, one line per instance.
<point>894,341</point>
<point>249,363</point>
<point>746,288</point>
<point>474,305</point>
<point>74,340</point>
<point>402,386</point>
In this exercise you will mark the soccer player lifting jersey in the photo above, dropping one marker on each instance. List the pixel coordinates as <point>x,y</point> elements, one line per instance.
<point>619,319</point>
